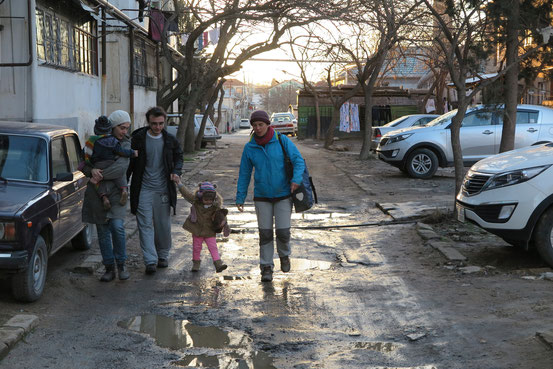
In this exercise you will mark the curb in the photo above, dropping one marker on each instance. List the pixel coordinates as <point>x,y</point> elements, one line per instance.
<point>432,239</point>
<point>14,330</point>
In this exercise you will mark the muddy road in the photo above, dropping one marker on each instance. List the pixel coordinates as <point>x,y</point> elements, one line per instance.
<point>356,297</point>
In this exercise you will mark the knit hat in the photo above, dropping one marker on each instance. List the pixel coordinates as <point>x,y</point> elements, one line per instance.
<point>206,188</point>
<point>119,117</point>
<point>260,116</point>
<point>102,126</point>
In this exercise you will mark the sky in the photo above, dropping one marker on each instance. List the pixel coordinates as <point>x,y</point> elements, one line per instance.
<point>263,72</point>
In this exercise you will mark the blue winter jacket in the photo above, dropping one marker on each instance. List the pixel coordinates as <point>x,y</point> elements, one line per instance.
<point>270,181</point>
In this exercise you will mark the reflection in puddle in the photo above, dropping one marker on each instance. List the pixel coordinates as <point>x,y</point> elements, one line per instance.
<point>181,334</point>
<point>305,264</point>
<point>376,346</point>
<point>258,360</point>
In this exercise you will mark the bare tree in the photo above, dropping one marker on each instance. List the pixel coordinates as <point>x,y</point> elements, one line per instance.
<point>239,22</point>
<point>461,31</point>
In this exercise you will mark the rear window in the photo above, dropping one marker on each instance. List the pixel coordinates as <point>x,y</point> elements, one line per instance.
<point>527,117</point>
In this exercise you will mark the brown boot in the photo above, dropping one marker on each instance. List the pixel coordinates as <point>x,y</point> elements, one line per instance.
<point>124,196</point>
<point>196,265</point>
<point>219,265</point>
<point>106,203</point>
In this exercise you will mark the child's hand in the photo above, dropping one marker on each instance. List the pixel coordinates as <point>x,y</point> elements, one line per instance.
<point>135,153</point>
<point>240,207</point>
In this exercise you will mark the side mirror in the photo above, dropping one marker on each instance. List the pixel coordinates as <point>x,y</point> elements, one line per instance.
<point>64,177</point>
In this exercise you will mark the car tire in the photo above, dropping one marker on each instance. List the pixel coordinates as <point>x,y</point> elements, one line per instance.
<point>83,241</point>
<point>422,164</point>
<point>28,285</point>
<point>543,234</point>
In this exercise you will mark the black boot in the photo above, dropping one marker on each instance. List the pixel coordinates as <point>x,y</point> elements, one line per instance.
<point>266,274</point>
<point>122,272</point>
<point>109,275</point>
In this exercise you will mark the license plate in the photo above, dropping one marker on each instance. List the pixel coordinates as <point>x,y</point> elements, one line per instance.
<point>460,213</point>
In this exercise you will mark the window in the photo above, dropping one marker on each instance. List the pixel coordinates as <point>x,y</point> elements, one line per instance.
<point>144,64</point>
<point>63,44</point>
<point>527,117</point>
<point>481,118</point>
<point>59,163</point>
<point>73,151</point>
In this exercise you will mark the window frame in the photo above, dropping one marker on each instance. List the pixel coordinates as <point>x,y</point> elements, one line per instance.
<point>63,44</point>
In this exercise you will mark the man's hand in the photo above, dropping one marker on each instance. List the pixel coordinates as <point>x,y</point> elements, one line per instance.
<point>175,178</point>
<point>294,187</point>
<point>240,207</point>
<point>97,174</point>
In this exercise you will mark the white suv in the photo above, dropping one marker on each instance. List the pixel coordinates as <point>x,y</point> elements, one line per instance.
<point>419,151</point>
<point>511,195</point>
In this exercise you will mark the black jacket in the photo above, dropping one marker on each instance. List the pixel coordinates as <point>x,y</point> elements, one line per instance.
<point>172,161</point>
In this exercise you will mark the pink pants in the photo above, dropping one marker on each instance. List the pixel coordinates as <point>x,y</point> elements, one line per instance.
<point>211,246</point>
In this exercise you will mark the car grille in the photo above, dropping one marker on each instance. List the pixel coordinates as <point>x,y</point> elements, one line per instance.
<point>488,213</point>
<point>474,183</point>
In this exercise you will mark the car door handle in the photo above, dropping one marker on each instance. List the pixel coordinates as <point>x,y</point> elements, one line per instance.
<point>531,130</point>
<point>487,132</point>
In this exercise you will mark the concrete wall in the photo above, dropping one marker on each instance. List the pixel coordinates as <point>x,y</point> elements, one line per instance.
<point>67,98</point>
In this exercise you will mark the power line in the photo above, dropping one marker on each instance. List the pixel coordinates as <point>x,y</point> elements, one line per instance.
<point>300,60</point>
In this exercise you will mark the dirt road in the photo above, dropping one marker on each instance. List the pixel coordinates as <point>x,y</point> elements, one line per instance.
<point>357,297</point>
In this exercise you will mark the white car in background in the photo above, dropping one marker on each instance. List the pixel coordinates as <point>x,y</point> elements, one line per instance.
<point>420,151</point>
<point>412,120</point>
<point>211,134</point>
<point>285,123</point>
<point>511,196</point>
<point>244,123</point>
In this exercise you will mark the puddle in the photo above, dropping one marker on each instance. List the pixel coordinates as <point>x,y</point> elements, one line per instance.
<point>376,346</point>
<point>306,264</point>
<point>258,360</point>
<point>232,347</point>
<point>319,216</point>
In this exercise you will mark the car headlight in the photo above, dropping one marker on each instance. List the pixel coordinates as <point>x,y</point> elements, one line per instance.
<point>7,231</point>
<point>514,177</point>
<point>399,138</point>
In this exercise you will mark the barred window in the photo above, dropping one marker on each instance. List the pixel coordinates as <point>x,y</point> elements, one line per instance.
<point>144,64</point>
<point>63,44</point>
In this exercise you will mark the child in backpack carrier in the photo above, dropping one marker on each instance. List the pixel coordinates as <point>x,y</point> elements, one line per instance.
<point>207,218</point>
<point>100,152</point>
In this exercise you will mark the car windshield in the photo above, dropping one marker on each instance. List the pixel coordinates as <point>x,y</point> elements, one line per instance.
<point>442,119</point>
<point>395,122</point>
<point>23,158</point>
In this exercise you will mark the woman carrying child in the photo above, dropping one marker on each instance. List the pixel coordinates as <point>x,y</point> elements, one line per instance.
<point>206,219</point>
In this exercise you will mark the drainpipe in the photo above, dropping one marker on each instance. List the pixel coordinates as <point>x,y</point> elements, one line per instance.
<point>104,63</point>
<point>131,75</point>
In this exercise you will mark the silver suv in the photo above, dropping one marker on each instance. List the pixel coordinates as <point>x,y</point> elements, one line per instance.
<point>420,151</point>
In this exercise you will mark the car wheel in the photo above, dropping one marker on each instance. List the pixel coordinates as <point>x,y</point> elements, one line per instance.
<point>83,241</point>
<point>543,236</point>
<point>422,163</point>
<point>28,285</point>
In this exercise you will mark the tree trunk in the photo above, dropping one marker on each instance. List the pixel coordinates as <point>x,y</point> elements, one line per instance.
<point>367,135</point>
<point>511,79</point>
<point>317,115</point>
<point>329,139</point>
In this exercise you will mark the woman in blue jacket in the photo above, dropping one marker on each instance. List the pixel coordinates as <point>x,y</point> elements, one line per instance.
<point>272,189</point>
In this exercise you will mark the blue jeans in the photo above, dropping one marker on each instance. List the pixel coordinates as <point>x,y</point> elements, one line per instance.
<point>112,241</point>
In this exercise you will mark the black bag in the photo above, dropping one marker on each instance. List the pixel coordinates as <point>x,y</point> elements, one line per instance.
<point>305,196</point>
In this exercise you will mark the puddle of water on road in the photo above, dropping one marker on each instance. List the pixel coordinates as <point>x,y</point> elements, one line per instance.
<point>181,334</point>
<point>258,360</point>
<point>377,346</point>
<point>319,216</point>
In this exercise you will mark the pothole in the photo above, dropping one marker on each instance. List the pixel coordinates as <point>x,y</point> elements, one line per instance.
<point>221,348</point>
